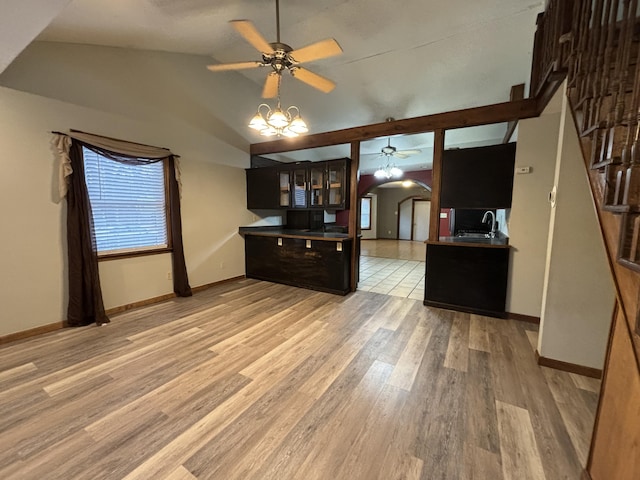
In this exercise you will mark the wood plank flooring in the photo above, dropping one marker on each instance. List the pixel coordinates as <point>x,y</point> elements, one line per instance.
<point>253,380</point>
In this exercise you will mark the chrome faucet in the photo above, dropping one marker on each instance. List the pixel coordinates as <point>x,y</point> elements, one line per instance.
<point>485,217</point>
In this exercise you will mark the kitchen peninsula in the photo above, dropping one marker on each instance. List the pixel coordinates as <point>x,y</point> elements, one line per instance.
<point>310,259</point>
<point>305,252</point>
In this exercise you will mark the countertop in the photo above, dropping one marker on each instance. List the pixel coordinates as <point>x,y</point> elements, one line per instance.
<point>294,233</point>
<point>499,242</point>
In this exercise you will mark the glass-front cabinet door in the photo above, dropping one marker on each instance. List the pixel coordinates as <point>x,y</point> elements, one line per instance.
<point>300,188</point>
<point>285,188</point>
<point>336,184</point>
<point>316,187</point>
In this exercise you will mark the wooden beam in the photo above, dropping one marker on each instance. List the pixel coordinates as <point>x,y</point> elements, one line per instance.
<point>496,113</point>
<point>434,219</point>
<point>517,93</point>
<point>354,214</point>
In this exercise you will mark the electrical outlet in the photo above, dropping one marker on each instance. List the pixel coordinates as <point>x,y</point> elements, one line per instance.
<point>389,232</point>
<point>168,275</point>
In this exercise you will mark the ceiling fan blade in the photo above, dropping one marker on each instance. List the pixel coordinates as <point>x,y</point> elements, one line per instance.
<point>408,152</point>
<point>316,51</point>
<point>316,81</point>
<point>233,66</point>
<point>399,155</point>
<point>270,89</point>
<point>252,35</point>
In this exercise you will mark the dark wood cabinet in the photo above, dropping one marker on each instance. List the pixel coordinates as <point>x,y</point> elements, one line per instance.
<point>467,278</point>
<point>263,189</point>
<point>480,177</point>
<point>303,185</point>
<point>337,184</point>
<point>316,264</point>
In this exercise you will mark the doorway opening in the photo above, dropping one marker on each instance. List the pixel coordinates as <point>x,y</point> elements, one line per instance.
<point>394,219</point>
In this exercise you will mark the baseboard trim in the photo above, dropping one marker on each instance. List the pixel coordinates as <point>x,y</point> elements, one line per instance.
<point>523,318</point>
<point>568,367</point>
<point>32,332</point>
<point>168,296</point>
<point>14,337</point>
<point>215,284</point>
<point>140,303</point>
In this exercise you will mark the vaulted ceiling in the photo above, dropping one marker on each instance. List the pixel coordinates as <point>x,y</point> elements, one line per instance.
<point>400,60</point>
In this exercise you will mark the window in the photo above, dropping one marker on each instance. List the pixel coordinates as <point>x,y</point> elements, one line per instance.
<point>129,205</point>
<point>365,213</point>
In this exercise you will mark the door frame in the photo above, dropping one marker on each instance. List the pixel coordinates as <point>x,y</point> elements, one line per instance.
<point>413,215</point>
<point>413,198</point>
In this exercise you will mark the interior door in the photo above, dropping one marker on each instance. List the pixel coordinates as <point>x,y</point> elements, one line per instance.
<point>404,222</point>
<point>421,216</point>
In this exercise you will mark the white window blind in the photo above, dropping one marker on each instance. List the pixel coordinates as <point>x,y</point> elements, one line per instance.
<point>128,204</point>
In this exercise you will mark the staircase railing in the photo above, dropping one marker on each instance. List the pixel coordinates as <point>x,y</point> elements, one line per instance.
<point>595,44</point>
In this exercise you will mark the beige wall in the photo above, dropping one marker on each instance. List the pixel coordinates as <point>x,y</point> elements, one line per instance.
<point>578,297</point>
<point>33,265</point>
<point>388,199</point>
<point>530,210</point>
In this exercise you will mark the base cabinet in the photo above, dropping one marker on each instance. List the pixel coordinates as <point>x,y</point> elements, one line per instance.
<point>467,278</point>
<point>323,266</point>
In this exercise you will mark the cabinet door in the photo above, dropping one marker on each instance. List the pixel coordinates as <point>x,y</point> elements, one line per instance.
<point>262,188</point>
<point>316,186</point>
<point>299,197</point>
<point>337,189</point>
<point>284,178</point>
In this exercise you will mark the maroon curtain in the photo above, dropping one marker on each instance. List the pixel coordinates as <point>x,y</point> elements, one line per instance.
<point>180,279</point>
<point>85,295</point>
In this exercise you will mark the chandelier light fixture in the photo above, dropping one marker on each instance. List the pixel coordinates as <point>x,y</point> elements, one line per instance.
<point>388,171</point>
<point>278,122</point>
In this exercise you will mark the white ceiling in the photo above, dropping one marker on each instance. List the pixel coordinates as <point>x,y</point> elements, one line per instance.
<point>401,59</point>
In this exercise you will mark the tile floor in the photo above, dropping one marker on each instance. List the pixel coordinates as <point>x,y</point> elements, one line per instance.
<point>401,278</point>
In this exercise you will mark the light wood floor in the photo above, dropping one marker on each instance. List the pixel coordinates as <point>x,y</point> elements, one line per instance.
<point>253,380</point>
<point>400,249</point>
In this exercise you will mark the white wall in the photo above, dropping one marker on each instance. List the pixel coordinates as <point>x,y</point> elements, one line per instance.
<point>530,210</point>
<point>33,263</point>
<point>578,297</point>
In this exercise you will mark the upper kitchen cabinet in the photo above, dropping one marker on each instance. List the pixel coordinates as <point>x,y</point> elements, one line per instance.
<point>480,177</point>
<point>337,191</point>
<point>302,185</point>
<point>264,188</point>
<point>317,175</point>
<point>300,188</point>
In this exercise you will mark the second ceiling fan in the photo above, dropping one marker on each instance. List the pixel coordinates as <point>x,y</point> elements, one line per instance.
<point>280,57</point>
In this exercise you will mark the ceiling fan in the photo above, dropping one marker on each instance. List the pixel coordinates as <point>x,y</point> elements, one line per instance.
<point>280,57</point>
<point>390,151</point>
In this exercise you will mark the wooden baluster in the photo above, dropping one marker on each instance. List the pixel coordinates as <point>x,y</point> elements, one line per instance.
<point>599,135</point>
<point>597,92</point>
<point>586,91</point>
<point>575,35</point>
<point>585,15</point>
<point>609,122</point>
<point>633,250</point>
<point>616,113</point>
